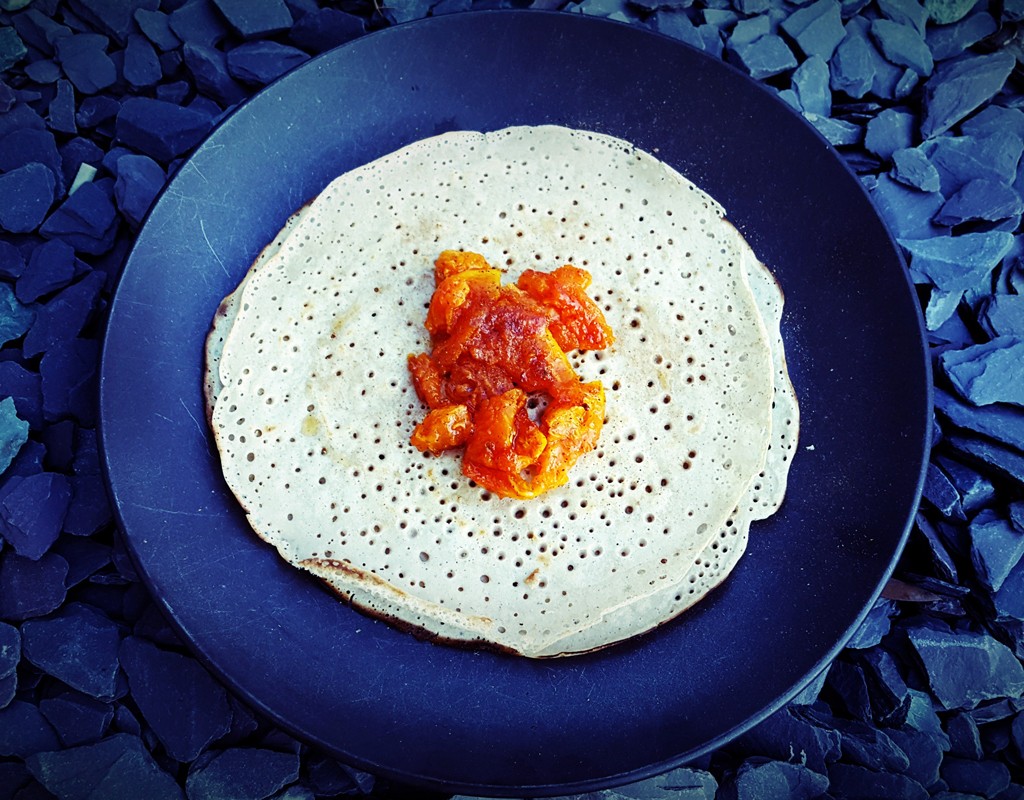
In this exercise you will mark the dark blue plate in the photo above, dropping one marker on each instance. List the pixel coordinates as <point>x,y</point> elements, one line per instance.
<point>479,722</point>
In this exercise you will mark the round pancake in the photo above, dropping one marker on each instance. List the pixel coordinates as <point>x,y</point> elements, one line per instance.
<point>316,408</point>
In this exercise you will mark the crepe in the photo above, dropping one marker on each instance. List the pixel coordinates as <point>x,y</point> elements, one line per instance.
<point>312,407</point>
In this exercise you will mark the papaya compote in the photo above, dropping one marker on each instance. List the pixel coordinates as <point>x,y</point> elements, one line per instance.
<point>497,350</point>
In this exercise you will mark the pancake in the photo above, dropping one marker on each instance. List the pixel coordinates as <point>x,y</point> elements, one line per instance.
<point>312,406</point>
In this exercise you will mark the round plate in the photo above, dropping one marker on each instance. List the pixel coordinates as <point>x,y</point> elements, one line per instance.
<point>479,722</point>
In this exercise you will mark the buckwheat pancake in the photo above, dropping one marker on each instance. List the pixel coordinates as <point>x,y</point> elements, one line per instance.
<point>312,406</point>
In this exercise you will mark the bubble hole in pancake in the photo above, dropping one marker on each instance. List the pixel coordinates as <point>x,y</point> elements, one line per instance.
<point>312,407</point>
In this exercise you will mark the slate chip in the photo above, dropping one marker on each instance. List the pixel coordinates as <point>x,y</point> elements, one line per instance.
<point>956,263</point>
<point>1002,314</point>
<point>945,12</point>
<point>12,49</point>
<point>10,649</point>
<point>69,381</point>
<point>50,267</point>
<point>61,111</point>
<point>198,22</point>
<point>1001,460</point>
<point>980,199</point>
<point>324,29</point>
<point>964,737</point>
<point>951,40</point>
<point>77,718</point>
<point>903,45</point>
<point>789,733</point>
<point>141,65</point>
<point>924,755</point>
<point>849,780</point>
<point>961,85</point>
<point>156,26</point>
<point>118,766</point>
<point>87,220</point>
<point>987,373</point>
<point>24,731</point>
<point>888,132</point>
<point>65,315</point>
<point>78,646</point>
<point>817,28</point>
<point>250,20</point>
<point>975,490</point>
<point>763,57</point>
<point>13,432</point>
<point>259,63</point>
<point>996,547</point>
<point>810,82</point>
<point>209,70</point>
<point>912,168</point>
<point>84,59</point>
<point>242,774</point>
<point>965,668</point>
<point>756,779</point>
<point>981,778</point>
<point>185,707</point>
<point>33,511</point>
<point>160,129</point>
<point>26,194</point>
<point>94,111</point>
<point>139,180</point>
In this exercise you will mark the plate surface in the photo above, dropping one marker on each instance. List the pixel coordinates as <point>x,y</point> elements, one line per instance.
<point>478,722</point>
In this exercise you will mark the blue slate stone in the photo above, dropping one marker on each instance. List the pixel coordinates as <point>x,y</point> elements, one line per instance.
<point>209,70</point>
<point>77,718</point>
<point>185,707</point>
<point>724,18</point>
<point>87,220</point>
<point>112,17</point>
<point>64,316</point>
<point>942,306</point>
<point>903,45</point>
<point>940,492</point>
<point>995,119</point>
<point>398,13</point>
<point>890,696</point>
<point>443,7</point>
<point>810,82</point>
<point>15,318</point>
<point>324,29</point>
<point>159,129</point>
<point>996,548</point>
<point>965,668</point>
<point>25,196</point>
<point>7,98</point>
<point>243,721</point>
<point>84,557</point>
<point>989,455</point>
<point>69,384</point>
<point>44,71</point>
<point>951,40</point>
<point>924,754</point>
<point>945,12</point>
<point>28,146</point>
<point>50,267</point>
<point>838,132</point>
<point>298,792</point>
<point>90,510</point>
<point>846,690</point>
<point>1002,314</point>
<point>39,30</point>
<point>242,774</point>
<point>890,131</point>
<point>20,117</point>
<point>987,373</point>
<point>790,734</point>
<point>198,22</point>
<point>252,20</point>
<point>817,28</point>
<point>981,778</point>
<point>964,736</point>
<point>765,56</point>
<point>980,199</point>
<point>848,780</point>
<point>670,23</point>
<point>996,710</point>
<point>905,12</point>
<point>61,116</point>
<point>78,646</point>
<point>139,180</point>
<point>875,625</point>
<point>961,85</point>
<point>259,63</point>
<point>912,168</point>
<point>33,511</point>
<point>24,731</point>
<point>745,31</point>
<point>12,49</point>
<point>141,65</point>
<point>83,56</point>
<point>25,388</point>
<point>757,779</point>
<point>975,490</point>
<point>956,263</point>
<point>126,722</point>
<point>923,718</point>
<point>12,262</point>
<point>156,26</point>
<point>996,421</point>
<point>711,40</point>
<point>8,689</point>
<point>905,85</point>
<point>10,649</point>
<point>94,111</point>
<point>29,460</point>
<point>863,744</point>
<point>174,92</point>
<point>31,588</point>
<point>116,767</point>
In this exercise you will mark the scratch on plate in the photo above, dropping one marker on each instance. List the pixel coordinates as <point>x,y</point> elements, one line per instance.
<point>170,511</point>
<point>192,417</point>
<point>202,228</point>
